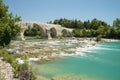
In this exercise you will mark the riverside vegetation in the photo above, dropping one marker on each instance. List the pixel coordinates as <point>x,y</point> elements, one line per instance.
<point>9,30</point>
<point>91,28</point>
<point>20,71</point>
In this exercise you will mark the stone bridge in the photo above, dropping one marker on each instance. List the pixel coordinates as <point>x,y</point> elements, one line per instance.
<point>48,31</point>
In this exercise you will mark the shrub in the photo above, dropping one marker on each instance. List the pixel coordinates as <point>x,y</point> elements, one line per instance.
<point>98,38</point>
<point>59,36</point>
<point>21,71</point>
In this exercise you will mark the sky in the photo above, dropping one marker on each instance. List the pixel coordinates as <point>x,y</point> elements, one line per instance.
<point>47,10</point>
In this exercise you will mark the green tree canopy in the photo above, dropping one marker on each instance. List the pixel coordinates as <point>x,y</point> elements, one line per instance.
<point>116,23</point>
<point>8,28</point>
<point>34,31</point>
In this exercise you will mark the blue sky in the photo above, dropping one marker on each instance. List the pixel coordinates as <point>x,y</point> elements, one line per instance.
<point>46,10</point>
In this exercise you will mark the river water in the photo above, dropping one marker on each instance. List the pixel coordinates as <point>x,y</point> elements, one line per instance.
<point>100,63</point>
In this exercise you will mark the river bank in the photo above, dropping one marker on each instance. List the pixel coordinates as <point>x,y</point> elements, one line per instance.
<point>50,49</point>
<point>6,71</point>
<point>100,63</point>
<point>45,50</point>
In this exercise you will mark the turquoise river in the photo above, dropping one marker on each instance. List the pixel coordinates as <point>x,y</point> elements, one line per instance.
<point>101,63</point>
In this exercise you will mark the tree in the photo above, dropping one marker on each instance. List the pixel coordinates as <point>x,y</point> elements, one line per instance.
<point>34,31</point>
<point>84,32</point>
<point>92,28</point>
<point>116,23</point>
<point>87,24</point>
<point>80,24</point>
<point>8,28</point>
<point>111,33</point>
<point>101,31</point>
<point>98,38</point>
<point>67,23</point>
<point>77,33</point>
<point>50,22</point>
<point>95,24</point>
<point>55,21</point>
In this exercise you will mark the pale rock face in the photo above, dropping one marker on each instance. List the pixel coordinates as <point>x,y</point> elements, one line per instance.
<point>13,51</point>
<point>6,71</point>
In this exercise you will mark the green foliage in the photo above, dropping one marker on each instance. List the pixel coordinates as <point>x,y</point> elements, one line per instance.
<point>10,58</point>
<point>84,33</point>
<point>21,71</point>
<point>2,51</point>
<point>66,33</point>
<point>55,21</point>
<point>8,28</point>
<point>111,33</point>
<point>91,28</point>
<point>50,22</point>
<point>60,36</point>
<point>25,57</point>
<point>25,72</point>
<point>94,24</point>
<point>37,36</point>
<point>116,23</point>
<point>86,24</point>
<point>35,31</point>
<point>76,33</point>
<point>98,38</point>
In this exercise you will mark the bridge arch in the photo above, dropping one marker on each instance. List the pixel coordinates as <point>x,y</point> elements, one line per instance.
<point>66,33</point>
<point>53,32</point>
<point>47,31</point>
<point>42,30</point>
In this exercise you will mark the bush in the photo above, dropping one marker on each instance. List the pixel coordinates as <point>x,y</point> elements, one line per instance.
<point>60,36</point>
<point>98,38</point>
<point>8,28</point>
<point>38,36</point>
<point>25,71</point>
<point>21,71</point>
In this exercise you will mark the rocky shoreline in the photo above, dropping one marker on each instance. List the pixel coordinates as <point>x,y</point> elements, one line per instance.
<point>47,50</point>
<point>6,71</point>
<point>50,49</point>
